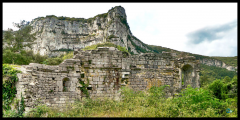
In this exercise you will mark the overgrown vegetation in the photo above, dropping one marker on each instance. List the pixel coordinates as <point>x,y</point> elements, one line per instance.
<point>58,60</point>
<point>213,73</point>
<point>9,76</point>
<point>106,44</point>
<point>152,103</point>
<point>84,87</point>
<point>138,48</point>
<point>8,86</point>
<point>22,58</point>
<point>124,21</point>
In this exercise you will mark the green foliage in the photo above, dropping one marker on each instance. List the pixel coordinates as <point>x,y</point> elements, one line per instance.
<point>10,113</point>
<point>66,50</point>
<point>21,107</point>
<point>53,61</point>
<point>8,86</point>
<point>138,48</point>
<point>197,101</point>
<point>151,103</point>
<point>124,21</point>
<point>89,61</point>
<point>15,39</point>
<point>84,87</point>
<point>225,88</point>
<point>10,57</point>
<point>215,72</point>
<point>68,56</point>
<point>58,60</point>
<point>39,111</point>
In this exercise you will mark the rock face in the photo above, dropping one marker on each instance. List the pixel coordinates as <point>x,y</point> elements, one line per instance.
<point>217,63</point>
<point>56,34</point>
<point>100,73</point>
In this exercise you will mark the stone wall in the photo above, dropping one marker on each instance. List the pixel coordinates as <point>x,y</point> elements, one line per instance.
<point>101,73</point>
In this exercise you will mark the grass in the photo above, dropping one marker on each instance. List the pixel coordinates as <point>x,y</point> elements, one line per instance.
<point>106,44</point>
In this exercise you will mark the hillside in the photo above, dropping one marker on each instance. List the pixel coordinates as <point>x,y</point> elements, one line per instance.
<point>56,35</point>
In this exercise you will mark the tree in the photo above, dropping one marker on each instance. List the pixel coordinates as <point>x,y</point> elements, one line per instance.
<point>17,40</point>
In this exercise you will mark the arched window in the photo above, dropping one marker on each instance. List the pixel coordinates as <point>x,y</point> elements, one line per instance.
<point>186,75</point>
<point>66,85</point>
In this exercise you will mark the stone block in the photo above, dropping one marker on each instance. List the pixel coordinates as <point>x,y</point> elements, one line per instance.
<point>95,79</point>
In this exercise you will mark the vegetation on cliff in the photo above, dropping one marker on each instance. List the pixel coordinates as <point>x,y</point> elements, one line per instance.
<point>228,60</point>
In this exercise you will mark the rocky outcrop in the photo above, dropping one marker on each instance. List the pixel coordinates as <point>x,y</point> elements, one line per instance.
<point>217,63</point>
<point>56,34</point>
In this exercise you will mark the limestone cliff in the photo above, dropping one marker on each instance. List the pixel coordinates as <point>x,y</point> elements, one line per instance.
<point>56,34</point>
<point>216,63</point>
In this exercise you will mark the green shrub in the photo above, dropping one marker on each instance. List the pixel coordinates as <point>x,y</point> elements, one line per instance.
<point>22,58</point>
<point>68,55</point>
<point>10,57</point>
<point>53,61</point>
<point>199,100</point>
<point>58,60</point>
<point>225,88</point>
<point>10,113</point>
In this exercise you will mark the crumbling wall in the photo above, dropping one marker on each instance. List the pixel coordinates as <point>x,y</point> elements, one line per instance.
<point>100,73</point>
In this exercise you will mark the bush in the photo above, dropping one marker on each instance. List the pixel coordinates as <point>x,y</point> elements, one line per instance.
<point>22,58</point>
<point>53,61</point>
<point>10,57</point>
<point>199,100</point>
<point>225,88</point>
<point>58,60</point>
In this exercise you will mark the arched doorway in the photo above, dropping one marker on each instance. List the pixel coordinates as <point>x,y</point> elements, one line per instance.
<point>186,75</point>
<point>66,85</point>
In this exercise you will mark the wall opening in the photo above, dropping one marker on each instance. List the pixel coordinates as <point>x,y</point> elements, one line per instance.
<point>186,75</point>
<point>66,84</point>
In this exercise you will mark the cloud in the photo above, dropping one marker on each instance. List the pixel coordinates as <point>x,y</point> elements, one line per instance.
<point>211,33</point>
<point>226,46</point>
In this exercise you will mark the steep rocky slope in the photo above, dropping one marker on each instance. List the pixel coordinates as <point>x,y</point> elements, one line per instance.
<point>58,34</point>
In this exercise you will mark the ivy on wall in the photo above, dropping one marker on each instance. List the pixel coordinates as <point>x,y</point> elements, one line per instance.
<point>9,75</point>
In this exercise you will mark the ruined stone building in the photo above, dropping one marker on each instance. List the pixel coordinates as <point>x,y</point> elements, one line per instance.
<point>101,73</point>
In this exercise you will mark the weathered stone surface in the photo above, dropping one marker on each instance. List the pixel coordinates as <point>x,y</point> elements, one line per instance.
<point>137,72</point>
<point>54,34</point>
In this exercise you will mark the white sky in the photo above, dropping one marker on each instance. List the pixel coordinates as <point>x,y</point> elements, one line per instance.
<point>162,24</point>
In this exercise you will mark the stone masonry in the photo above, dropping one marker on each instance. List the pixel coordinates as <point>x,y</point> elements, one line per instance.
<point>101,73</point>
